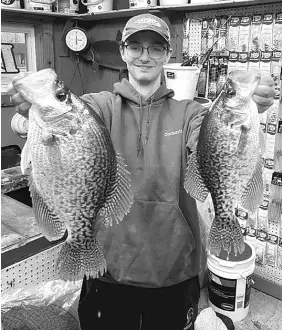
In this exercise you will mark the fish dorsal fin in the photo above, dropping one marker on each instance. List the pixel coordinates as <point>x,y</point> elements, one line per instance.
<point>26,158</point>
<point>252,195</point>
<point>51,226</point>
<point>193,182</point>
<point>118,204</point>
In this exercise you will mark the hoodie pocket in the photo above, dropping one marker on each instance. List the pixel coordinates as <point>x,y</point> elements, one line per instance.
<point>151,247</point>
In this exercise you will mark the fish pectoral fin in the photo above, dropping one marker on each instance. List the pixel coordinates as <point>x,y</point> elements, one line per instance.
<point>118,204</point>
<point>252,193</point>
<point>26,158</point>
<point>193,182</point>
<point>48,222</point>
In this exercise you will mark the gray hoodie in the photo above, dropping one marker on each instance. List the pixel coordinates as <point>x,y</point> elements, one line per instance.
<point>158,242</point>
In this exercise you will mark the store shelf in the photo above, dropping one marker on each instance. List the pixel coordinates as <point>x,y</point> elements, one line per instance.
<point>8,13</point>
<point>17,14</point>
<point>203,6</point>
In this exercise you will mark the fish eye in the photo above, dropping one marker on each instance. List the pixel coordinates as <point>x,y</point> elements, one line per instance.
<point>230,92</point>
<point>61,96</point>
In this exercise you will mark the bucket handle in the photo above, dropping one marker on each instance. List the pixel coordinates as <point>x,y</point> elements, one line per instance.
<point>94,3</point>
<point>245,278</point>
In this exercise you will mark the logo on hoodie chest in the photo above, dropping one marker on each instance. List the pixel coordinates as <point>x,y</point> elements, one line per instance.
<point>172,133</point>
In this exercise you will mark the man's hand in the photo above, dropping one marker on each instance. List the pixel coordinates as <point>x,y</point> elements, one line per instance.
<point>21,105</point>
<point>264,94</point>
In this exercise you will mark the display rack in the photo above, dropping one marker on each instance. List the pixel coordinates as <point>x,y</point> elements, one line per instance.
<point>31,271</point>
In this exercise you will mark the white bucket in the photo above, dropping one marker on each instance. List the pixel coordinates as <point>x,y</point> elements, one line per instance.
<point>205,103</point>
<point>142,3</point>
<point>41,5</point>
<point>98,6</point>
<point>183,80</point>
<point>229,283</point>
<point>173,2</point>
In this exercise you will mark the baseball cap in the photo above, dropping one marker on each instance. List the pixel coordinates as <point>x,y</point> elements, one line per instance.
<point>146,22</point>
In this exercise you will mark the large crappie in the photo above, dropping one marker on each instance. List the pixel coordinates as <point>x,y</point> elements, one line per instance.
<point>76,176</point>
<point>228,160</point>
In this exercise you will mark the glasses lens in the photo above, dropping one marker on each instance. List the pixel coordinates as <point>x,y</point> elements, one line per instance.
<point>156,52</point>
<point>134,50</point>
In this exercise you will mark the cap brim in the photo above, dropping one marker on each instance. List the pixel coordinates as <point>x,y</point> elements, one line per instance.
<point>147,29</point>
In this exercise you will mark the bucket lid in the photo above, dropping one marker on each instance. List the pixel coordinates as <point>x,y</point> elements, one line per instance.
<point>178,66</point>
<point>247,256</point>
<point>203,101</point>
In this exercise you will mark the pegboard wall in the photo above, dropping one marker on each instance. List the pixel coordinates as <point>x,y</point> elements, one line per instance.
<point>31,271</point>
<point>248,38</point>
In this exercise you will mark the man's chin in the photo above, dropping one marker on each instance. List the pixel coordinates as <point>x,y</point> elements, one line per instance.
<point>145,80</point>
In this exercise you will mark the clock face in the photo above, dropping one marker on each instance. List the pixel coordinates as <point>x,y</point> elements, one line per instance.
<point>76,40</point>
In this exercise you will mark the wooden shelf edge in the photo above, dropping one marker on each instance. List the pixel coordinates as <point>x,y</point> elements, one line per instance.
<point>267,287</point>
<point>17,13</point>
<point>205,6</point>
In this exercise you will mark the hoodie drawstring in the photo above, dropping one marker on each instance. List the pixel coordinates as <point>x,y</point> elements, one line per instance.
<point>141,114</point>
<point>140,126</point>
<point>148,122</point>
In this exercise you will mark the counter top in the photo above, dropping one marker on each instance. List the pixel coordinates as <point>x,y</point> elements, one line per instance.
<point>12,179</point>
<point>18,225</point>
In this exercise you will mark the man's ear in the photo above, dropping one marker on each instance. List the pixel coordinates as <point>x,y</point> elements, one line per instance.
<point>121,49</point>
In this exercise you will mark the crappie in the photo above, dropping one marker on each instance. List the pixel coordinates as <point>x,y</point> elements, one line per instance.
<point>228,161</point>
<point>76,176</point>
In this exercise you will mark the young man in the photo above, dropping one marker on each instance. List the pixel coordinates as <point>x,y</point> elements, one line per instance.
<point>155,255</point>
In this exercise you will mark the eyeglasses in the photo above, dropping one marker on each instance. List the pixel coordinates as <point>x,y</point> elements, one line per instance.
<point>155,52</point>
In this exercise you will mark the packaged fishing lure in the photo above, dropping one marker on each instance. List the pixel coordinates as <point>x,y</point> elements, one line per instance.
<point>202,82</point>
<point>222,73</point>
<point>244,36</point>
<point>260,247</point>
<point>213,74</point>
<point>233,34</point>
<point>277,32</point>
<point>271,250</point>
<point>221,45</point>
<point>279,254</point>
<point>262,223</point>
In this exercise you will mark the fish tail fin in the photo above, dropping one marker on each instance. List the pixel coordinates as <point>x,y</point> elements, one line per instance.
<point>225,234</point>
<point>75,262</point>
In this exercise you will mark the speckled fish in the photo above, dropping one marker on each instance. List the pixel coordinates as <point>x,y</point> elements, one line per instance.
<point>227,161</point>
<point>76,176</point>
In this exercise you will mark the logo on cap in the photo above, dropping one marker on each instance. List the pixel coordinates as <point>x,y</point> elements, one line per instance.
<point>148,21</point>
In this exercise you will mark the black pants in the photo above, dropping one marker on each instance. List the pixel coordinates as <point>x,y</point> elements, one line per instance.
<point>114,307</point>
